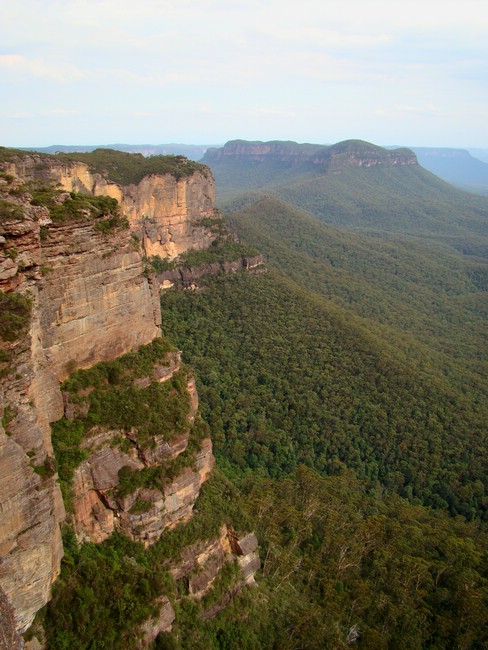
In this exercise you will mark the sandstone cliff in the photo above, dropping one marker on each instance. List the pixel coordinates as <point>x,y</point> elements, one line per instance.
<point>90,301</point>
<point>114,487</point>
<point>168,214</point>
<point>77,267</point>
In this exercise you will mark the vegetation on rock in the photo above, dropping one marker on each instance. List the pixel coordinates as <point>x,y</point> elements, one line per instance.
<point>128,168</point>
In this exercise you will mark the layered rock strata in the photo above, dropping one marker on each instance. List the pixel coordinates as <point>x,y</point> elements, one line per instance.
<point>90,301</point>
<point>201,564</point>
<point>349,152</point>
<point>185,276</point>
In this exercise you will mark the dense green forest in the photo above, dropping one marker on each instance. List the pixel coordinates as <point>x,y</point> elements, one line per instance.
<point>286,377</point>
<point>423,297</point>
<point>342,568</point>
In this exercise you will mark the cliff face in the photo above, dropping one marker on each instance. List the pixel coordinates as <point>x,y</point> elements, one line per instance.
<point>166,213</point>
<point>91,301</point>
<point>96,302</point>
<point>202,563</point>
<point>144,511</point>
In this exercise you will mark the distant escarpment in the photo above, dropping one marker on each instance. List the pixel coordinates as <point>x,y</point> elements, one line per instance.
<point>349,152</point>
<point>79,304</point>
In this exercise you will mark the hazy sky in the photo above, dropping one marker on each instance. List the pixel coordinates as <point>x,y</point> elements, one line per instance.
<point>207,71</point>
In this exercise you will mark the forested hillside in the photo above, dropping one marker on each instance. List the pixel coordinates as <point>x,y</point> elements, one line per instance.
<point>360,354</point>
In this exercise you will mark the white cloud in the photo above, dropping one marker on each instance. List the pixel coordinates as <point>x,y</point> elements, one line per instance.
<point>36,67</point>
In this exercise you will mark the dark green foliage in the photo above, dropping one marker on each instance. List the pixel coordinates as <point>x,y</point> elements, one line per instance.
<point>47,469</point>
<point>8,416</point>
<point>115,401</point>
<point>7,154</point>
<point>66,436</point>
<point>124,369</point>
<point>126,168</point>
<point>15,311</point>
<point>286,377</point>
<point>336,559</point>
<point>105,592</point>
<point>159,264</point>
<point>378,199</point>
<point>417,293</point>
<point>220,251</point>
<point>158,410</point>
<point>78,206</point>
<point>112,224</point>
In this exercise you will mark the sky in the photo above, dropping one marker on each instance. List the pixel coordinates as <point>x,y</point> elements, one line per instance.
<point>208,71</point>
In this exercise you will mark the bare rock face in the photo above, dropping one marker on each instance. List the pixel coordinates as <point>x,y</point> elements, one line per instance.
<point>31,506</point>
<point>98,511</point>
<point>90,302</point>
<point>96,302</point>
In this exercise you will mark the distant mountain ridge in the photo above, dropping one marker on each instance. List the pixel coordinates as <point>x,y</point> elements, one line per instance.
<point>465,168</point>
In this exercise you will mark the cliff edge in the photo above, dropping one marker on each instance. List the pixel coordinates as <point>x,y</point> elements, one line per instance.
<point>75,291</point>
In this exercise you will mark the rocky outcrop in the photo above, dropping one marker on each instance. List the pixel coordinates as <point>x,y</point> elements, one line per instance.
<point>187,275</point>
<point>144,512</point>
<point>201,564</point>
<point>167,214</point>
